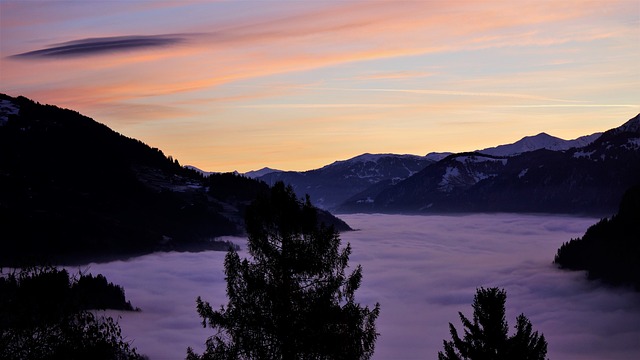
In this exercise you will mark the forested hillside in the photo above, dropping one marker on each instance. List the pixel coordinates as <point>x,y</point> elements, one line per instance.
<point>610,249</point>
<point>72,189</point>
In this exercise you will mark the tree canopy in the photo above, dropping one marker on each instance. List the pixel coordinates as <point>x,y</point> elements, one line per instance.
<point>293,298</point>
<point>486,336</point>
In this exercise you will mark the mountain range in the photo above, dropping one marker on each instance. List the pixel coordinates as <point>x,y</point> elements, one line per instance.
<point>541,173</point>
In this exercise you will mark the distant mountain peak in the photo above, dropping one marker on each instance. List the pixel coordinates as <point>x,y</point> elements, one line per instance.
<point>257,173</point>
<point>537,142</point>
<point>366,157</point>
<point>541,135</point>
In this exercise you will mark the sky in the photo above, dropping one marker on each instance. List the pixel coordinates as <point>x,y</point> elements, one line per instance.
<point>295,85</point>
<point>422,270</point>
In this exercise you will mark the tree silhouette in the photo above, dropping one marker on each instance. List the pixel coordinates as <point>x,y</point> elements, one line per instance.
<point>486,338</point>
<point>293,298</point>
<point>42,317</point>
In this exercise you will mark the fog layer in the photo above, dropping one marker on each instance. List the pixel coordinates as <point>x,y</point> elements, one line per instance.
<point>422,270</point>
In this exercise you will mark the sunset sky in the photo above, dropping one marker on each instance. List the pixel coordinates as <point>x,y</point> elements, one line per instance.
<point>295,85</point>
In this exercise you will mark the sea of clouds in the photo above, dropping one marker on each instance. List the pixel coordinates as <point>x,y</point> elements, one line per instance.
<point>422,270</point>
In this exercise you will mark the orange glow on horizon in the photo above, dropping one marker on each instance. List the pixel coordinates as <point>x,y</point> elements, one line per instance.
<point>299,85</point>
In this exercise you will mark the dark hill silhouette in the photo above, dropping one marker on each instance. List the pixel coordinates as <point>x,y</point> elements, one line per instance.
<point>71,189</point>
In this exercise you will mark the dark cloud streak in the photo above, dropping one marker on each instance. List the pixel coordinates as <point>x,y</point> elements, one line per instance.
<point>96,46</point>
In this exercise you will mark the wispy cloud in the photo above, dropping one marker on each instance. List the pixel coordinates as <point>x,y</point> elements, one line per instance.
<point>571,105</point>
<point>95,46</point>
<point>321,106</point>
<point>393,75</point>
<point>451,93</point>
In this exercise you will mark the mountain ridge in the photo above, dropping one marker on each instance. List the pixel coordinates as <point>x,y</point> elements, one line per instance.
<point>321,186</point>
<point>557,144</point>
<point>254,174</point>
<point>585,180</point>
<point>539,141</point>
<point>329,185</point>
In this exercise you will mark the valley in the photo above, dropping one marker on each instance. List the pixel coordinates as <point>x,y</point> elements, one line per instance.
<point>422,270</point>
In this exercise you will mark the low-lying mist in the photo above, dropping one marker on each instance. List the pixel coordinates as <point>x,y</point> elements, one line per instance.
<point>422,270</point>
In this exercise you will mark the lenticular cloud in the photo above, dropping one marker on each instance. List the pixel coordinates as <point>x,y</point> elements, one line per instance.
<point>94,46</point>
<point>422,270</point>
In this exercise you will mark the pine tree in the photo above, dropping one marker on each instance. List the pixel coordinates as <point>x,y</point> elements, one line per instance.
<point>486,338</point>
<point>293,299</point>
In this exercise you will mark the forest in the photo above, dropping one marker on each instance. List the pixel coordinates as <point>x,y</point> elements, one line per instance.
<point>609,250</point>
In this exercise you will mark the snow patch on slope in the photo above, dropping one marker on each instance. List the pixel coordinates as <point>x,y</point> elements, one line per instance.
<point>583,154</point>
<point>7,108</point>
<point>523,173</point>
<point>632,144</point>
<point>450,175</point>
<point>479,159</point>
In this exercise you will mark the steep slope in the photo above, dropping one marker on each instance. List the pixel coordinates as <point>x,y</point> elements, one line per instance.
<point>72,189</point>
<point>72,186</point>
<point>586,180</point>
<point>331,185</point>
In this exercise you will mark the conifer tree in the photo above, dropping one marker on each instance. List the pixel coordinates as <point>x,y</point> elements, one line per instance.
<point>486,338</point>
<point>293,299</point>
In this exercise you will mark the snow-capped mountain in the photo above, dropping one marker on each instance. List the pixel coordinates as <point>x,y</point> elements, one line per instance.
<point>449,182</point>
<point>332,184</point>
<point>580,180</point>
<point>540,141</point>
